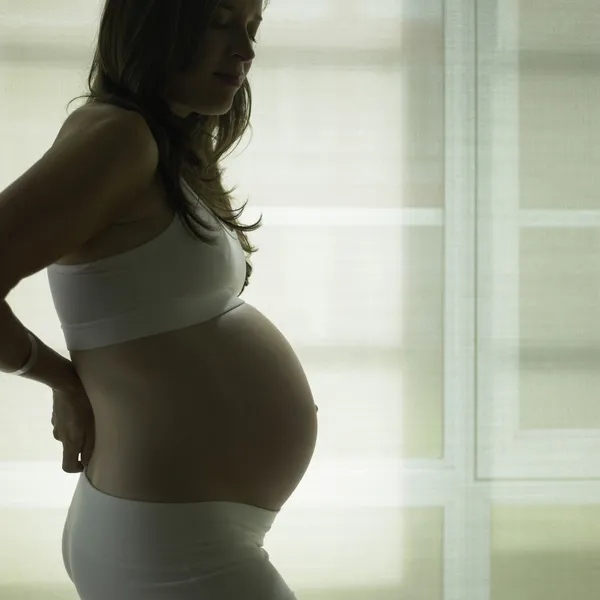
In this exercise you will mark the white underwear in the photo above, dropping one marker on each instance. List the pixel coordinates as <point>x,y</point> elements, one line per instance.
<point>117,549</point>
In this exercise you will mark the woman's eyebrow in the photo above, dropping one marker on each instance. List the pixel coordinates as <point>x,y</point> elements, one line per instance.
<point>232,9</point>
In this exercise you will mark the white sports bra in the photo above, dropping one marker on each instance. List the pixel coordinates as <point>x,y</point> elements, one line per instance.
<point>171,282</point>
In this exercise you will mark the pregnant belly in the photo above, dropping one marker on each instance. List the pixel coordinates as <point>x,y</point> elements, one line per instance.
<point>218,411</point>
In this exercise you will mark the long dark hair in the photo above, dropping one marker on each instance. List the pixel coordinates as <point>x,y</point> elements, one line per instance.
<point>141,46</point>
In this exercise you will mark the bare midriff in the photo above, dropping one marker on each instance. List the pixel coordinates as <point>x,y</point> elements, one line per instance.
<point>217,411</point>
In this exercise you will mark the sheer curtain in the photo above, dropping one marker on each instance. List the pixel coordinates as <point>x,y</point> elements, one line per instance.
<point>431,248</point>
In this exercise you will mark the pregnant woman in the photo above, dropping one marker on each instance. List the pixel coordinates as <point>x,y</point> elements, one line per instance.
<point>192,414</point>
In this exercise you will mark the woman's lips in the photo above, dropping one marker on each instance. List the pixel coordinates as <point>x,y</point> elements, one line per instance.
<point>231,80</point>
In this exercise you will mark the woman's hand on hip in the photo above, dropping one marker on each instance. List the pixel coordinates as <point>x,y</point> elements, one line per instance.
<point>74,426</point>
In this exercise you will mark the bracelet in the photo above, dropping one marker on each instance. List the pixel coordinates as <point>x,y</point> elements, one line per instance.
<point>32,357</point>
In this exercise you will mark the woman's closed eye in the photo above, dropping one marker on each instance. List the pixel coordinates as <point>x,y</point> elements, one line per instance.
<point>225,25</point>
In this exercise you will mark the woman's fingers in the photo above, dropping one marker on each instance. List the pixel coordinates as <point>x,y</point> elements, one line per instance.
<point>71,462</point>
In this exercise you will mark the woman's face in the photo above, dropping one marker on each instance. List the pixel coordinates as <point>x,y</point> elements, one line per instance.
<point>228,48</point>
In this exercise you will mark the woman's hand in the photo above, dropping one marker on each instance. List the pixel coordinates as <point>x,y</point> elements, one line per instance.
<point>74,426</point>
